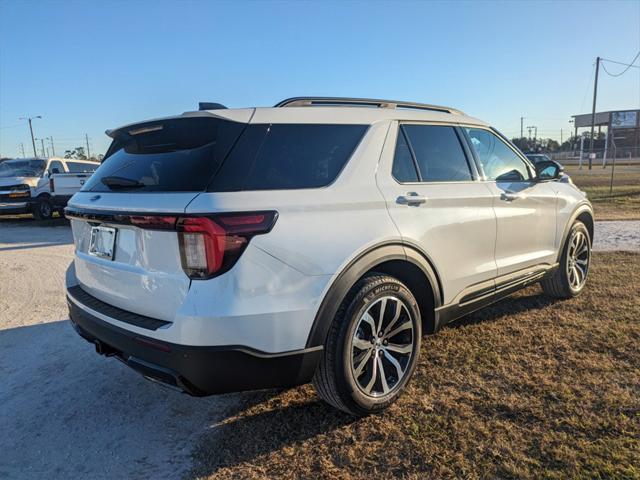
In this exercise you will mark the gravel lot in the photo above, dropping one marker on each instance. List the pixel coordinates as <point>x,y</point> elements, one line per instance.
<point>68,413</point>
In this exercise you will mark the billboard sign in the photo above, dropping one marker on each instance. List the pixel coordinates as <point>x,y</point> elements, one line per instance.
<point>624,119</point>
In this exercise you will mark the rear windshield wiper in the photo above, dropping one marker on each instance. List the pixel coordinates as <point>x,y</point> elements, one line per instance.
<point>115,183</point>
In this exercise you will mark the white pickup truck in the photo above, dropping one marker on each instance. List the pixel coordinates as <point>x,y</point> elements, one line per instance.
<point>41,185</point>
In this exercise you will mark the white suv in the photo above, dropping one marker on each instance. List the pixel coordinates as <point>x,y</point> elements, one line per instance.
<point>236,249</point>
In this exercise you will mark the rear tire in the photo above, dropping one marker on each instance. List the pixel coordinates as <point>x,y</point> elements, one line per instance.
<point>571,276</point>
<point>361,371</point>
<point>43,210</point>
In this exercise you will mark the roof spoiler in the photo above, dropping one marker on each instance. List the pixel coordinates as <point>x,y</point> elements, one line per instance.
<point>210,106</point>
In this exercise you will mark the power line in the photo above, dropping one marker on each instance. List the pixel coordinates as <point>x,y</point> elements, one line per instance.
<point>628,65</point>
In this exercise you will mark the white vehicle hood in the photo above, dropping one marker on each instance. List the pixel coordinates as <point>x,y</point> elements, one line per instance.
<point>7,181</point>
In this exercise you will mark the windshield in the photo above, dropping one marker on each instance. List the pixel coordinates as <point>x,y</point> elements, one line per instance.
<point>22,168</point>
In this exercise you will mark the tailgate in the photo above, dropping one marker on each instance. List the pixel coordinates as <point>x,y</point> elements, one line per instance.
<point>145,274</point>
<point>66,184</point>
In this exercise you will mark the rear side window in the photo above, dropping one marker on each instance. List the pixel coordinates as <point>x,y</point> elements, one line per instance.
<point>404,168</point>
<point>438,153</point>
<point>179,154</point>
<point>287,156</point>
<point>81,167</point>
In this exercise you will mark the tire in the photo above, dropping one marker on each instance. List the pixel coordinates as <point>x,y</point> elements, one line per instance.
<point>571,276</point>
<point>354,353</point>
<point>43,210</point>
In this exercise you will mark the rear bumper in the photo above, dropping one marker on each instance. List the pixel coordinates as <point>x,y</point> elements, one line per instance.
<point>197,370</point>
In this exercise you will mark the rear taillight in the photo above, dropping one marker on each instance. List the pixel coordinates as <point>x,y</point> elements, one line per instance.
<point>51,185</point>
<point>211,245</point>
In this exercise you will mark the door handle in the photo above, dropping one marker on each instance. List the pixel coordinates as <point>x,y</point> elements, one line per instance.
<point>509,196</point>
<point>411,198</point>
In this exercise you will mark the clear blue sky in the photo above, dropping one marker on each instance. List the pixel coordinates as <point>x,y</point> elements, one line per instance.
<point>89,66</point>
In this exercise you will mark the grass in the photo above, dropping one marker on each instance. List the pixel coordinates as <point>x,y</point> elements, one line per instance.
<point>623,203</point>
<point>528,388</point>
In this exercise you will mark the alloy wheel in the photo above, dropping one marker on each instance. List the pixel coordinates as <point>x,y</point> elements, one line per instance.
<point>382,346</point>
<point>578,260</point>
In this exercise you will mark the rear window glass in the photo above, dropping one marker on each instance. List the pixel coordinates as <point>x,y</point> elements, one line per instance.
<point>81,167</point>
<point>288,156</point>
<point>171,155</point>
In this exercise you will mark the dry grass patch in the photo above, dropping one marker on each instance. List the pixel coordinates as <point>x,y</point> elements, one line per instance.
<point>528,388</point>
<point>623,203</point>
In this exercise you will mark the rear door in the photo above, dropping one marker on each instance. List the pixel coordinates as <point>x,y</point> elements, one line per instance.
<point>434,197</point>
<point>151,170</point>
<point>525,209</point>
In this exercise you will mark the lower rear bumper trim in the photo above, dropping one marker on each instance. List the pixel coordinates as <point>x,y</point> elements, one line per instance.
<point>198,370</point>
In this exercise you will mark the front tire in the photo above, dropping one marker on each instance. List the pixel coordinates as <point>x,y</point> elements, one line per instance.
<point>372,347</point>
<point>43,209</point>
<point>571,276</point>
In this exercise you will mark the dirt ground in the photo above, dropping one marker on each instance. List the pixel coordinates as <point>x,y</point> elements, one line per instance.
<point>529,386</point>
<point>66,412</point>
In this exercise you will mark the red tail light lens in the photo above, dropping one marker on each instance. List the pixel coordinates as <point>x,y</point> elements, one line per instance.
<point>210,246</point>
<point>154,222</point>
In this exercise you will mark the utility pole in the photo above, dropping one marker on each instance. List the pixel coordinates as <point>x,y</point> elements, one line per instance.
<point>33,142</point>
<point>529,128</point>
<point>22,149</point>
<point>535,135</point>
<point>593,110</point>
<point>42,144</point>
<point>86,137</point>
<point>53,149</point>
<point>521,125</point>
<point>47,152</point>
<point>561,137</point>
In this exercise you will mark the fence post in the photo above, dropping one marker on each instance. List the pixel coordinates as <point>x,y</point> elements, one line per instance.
<point>613,167</point>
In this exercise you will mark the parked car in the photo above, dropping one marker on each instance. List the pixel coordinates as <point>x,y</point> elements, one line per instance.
<point>538,157</point>
<point>26,184</point>
<point>235,249</point>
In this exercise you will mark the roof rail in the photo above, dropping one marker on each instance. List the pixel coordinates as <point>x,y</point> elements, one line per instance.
<point>365,102</point>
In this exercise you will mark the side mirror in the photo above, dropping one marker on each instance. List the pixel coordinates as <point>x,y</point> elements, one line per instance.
<point>54,170</point>
<point>548,170</point>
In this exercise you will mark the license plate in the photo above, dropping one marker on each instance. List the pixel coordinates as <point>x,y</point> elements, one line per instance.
<point>102,242</point>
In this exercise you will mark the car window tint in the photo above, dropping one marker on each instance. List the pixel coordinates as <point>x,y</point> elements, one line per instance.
<point>287,156</point>
<point>56,165</point>
<point>438,153</point>
<point>404,170</point>
<point>81,167</point>
<point>498,160</point>
<point>180,154</point>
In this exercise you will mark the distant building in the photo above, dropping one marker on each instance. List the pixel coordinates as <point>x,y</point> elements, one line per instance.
<point>621,127</point>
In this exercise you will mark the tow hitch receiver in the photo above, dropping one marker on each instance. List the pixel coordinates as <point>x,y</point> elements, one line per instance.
<point>104,349</point>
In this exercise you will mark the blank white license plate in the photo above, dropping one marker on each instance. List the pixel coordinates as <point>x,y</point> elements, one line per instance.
<point>102,242</point>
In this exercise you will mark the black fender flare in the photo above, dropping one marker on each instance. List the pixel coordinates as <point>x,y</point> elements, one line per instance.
<point>582,208</point>
<point>363,263</point>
